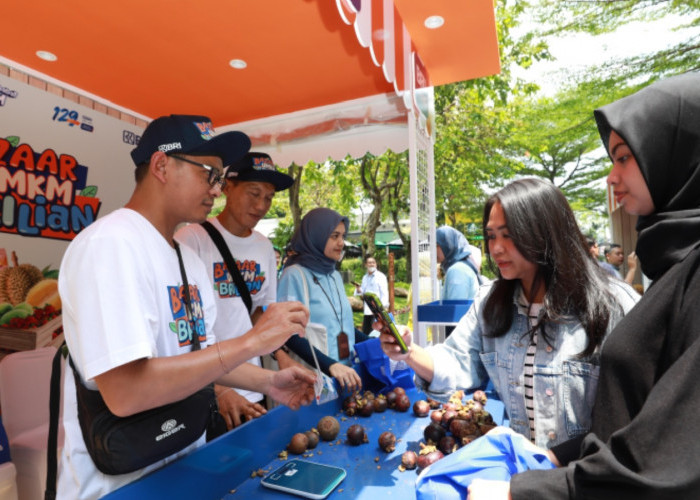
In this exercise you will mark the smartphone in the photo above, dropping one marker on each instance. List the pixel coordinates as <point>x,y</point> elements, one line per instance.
<point>355,283</point>
<point>304,478</point>
<point>379,312</point>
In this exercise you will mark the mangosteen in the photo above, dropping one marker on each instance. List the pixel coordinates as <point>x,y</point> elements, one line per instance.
<point>380,404</point>
<point>436,416</point>
<point>409,459</point>
<point>434,432</point>
<point>368,395</point>
<point>421,408</point>
<point>391,398</point>
<point>366,408</point>
<point>328,428</point>
<point>387,441</point>
<point>356,435</point>
<point>447,418</point>
<point>434,405</point>
<point>399,390</point>
<point>480,396</point>
<point>313,438</point>
<point>424,460</point>
<point>298,444</point>
<point>460,428</point>
<point>350,407</point>
<point>447,445</point>
<point>402,403</point>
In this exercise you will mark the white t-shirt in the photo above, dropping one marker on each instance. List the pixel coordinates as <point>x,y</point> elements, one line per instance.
<point>256,260</point>
<point>121,291</point>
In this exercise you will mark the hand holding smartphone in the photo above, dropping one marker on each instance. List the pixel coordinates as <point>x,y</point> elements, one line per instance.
<point>380,313</point>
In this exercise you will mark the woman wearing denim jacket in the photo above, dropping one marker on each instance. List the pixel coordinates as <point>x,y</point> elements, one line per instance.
<point>537,330</point>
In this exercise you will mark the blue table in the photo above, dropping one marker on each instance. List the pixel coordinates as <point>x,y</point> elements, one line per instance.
<point>223,467</point>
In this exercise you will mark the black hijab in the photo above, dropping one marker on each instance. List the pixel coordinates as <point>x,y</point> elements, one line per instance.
<point>661,125</point>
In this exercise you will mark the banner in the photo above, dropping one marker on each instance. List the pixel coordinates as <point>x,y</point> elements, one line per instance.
<point>62,165</point>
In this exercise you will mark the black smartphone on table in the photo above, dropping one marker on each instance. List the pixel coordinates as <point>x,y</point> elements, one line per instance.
<point>375,305</point>
<point>304,478</point>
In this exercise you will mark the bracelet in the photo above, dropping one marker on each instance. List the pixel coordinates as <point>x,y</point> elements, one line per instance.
<point>221,359</point>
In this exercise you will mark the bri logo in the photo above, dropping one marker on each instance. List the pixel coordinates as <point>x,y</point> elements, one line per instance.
<point>169,428</point>
<point>169,147</point>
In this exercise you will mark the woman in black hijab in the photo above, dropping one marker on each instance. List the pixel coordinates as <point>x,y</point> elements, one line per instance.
<point>644,439</point>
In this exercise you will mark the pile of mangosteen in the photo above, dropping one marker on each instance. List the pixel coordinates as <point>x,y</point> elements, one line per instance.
<point>452,425</point>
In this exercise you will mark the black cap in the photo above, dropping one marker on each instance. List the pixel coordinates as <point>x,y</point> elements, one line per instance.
<point>259,167</point>
<point>189,134</point>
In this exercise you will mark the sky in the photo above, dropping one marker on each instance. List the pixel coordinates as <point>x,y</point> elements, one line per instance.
<point>576,52</point>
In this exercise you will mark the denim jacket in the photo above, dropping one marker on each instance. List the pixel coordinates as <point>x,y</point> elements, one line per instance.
<point>564,385</point>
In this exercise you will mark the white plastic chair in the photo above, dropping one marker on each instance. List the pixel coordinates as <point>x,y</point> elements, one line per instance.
<point>24,400</point>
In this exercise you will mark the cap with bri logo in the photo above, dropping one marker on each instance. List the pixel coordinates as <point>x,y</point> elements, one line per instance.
<point>259,167</point>
<point>192,135</point>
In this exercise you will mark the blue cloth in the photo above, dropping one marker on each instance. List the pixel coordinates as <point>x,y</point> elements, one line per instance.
<point>460,282</point>
<point>379,366</point>
<point>309,240</point>
<point>496,456</point>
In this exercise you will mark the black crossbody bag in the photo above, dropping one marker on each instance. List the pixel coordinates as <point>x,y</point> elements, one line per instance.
<point>119,445</point>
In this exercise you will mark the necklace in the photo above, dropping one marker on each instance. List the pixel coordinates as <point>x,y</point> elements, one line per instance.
<point>342,338</point>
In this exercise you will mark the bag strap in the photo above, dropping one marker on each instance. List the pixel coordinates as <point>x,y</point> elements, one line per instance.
<point>230,263</point>
<point>54,403</point>
<point>471,264</point>
<point>306,285</point>
<point>188,300</point>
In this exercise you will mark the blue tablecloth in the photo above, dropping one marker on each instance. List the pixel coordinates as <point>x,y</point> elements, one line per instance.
<point>223,467</point>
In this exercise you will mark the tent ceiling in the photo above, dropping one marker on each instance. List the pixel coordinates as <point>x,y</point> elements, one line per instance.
<point>153,57</point>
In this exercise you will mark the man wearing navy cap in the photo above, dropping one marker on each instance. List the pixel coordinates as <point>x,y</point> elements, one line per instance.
<point>126,324</point>
<point>251,184</point>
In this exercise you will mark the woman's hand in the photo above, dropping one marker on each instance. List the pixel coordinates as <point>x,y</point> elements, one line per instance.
<point>346,376</point>
<point>292,386</point>
<point>389,344</point>
<point>487,489</point>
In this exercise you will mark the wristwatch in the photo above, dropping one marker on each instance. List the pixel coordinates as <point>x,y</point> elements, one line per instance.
<point>273,354</point>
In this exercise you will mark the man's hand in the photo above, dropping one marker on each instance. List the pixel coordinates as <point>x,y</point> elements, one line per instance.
<point>292,387</point>
<point>280,321</point>
<point>346,376</point>
<point>235,408</point>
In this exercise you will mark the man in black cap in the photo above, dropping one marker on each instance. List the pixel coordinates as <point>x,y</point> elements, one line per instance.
<point>251,184</point>
<point>131,325</point>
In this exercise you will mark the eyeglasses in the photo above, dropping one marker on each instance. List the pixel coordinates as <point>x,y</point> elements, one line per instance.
<point>215,175</point>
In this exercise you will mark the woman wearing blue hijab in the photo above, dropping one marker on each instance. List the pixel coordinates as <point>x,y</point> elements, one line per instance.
<point>310,276</point>
<point>461,277</point>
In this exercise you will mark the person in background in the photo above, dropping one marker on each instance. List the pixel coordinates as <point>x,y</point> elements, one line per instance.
<point>373,281</point>
<point>310,271</point>
<point>129,333</point>
<point>278,260</point>
<point>251,184</point>
<point>461,278</point>
<point>593,248</point>
<point>537,330</point>
<point>650,363</point>
<point>613,260</point>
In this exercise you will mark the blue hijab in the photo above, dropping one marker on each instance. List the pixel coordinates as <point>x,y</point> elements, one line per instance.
<point>309,240</point>
<point>454,245</point>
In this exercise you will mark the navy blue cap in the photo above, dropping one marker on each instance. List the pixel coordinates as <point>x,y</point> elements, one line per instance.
<point>259,167</point>
<point>192,135</point>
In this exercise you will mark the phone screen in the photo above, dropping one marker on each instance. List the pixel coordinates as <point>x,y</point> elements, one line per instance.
<point>303,478</point>
<point>379,312</point>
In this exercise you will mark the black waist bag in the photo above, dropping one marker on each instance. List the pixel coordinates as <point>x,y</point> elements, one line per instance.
<point>119,445</point>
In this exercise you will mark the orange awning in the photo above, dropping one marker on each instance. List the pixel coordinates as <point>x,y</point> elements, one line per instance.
<point>154,57</point>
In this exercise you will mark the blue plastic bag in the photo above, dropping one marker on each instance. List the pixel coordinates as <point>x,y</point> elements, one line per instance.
<point>498,455</point>
<point>381,368</point>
